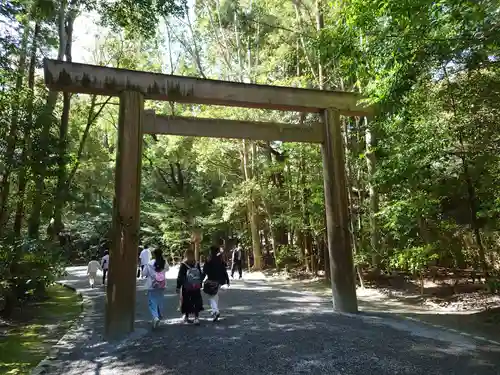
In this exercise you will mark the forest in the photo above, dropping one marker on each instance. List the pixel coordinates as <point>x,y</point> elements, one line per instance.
<point>422,173</point>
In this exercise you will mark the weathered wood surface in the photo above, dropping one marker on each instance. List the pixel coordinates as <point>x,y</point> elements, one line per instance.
<point>121,289</point>
<point>337,216</point>
<point>91,79</point>
<point>219,128</point>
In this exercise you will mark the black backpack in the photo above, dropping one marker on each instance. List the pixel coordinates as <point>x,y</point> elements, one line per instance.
<point>193,277</point>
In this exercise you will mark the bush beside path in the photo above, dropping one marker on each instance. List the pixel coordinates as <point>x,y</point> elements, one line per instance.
<point>28,337</point>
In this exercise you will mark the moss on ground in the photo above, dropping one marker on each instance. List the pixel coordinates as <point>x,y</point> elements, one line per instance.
<point>28,339</point>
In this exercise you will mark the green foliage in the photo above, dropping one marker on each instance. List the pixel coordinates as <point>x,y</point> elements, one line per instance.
<point>413,259</point>
<point>140,17</point>
<point>493,285</point>
<point>287,256</point>
<point>27,268</point>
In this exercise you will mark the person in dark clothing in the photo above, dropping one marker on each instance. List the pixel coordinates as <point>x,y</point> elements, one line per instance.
<point>189,282</point>
<point>236,260</point>
<point>139,268</point>
<point>105,266</point>
<point>215,272</point>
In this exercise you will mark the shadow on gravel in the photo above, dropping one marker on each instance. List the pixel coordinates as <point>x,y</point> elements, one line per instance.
<point>266,331</point>
<point>485,324</point>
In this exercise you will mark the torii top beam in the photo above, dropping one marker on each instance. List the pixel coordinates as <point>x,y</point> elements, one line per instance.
<point>99,80</point>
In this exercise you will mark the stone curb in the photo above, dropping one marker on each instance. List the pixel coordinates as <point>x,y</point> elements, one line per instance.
<point>45,364</point>
<point>365,315</point>
<point>452,330</point>
<point>50,362</point>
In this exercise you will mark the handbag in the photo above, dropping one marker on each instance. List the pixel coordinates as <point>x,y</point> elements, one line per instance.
<point>211,287</point>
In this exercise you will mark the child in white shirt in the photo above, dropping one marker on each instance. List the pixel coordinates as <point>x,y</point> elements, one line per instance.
<point>92,270</point>
<point>145,258</point>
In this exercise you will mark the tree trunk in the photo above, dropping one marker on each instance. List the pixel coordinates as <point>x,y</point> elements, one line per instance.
<point>267,245</point>
<point>471,198</point>
<point>302,247</point>
<point>238,46</point>
<point>254,228</point>
<point>252,214</point>
<point>40,164</point>
<point>197,251</point>
<point>219,34</point>
<point>269,231</point>
<point>353,210</point>
<point>374,198</point>
<point>196,237</point>
<point>12,134</point>
<point>321,84</point>
<point>322,244</point>
<point>306,243</point>
<point>320,24</point>
<point>302,41</point>
<point>196,50</point>
<point>22,178</point>
<point>62,186</point>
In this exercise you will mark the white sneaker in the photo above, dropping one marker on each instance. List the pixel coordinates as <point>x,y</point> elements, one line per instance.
<point>156,322</point>
<point>196,321</point>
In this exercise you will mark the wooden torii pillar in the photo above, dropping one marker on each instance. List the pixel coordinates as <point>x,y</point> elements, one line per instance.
<point>133,87</point>
<point>121,288</point>
<point>337,215</point>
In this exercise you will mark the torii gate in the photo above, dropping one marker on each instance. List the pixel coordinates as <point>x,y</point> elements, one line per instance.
<point>133,87</point>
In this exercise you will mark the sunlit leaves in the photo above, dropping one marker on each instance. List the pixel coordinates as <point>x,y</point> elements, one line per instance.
<point>140,17</point>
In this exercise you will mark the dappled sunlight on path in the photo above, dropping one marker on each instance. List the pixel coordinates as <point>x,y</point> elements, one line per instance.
<point>268,327</point>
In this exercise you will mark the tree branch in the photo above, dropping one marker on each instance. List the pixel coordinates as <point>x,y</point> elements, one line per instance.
<point>90,120</point>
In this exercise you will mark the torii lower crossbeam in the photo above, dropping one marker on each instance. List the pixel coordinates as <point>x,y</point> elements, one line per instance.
<point>220,128</point>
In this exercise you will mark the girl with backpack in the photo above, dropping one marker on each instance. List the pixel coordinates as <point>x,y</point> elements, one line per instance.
<point>154,272</point>
<point>189,280</point>
<point>216,273</point>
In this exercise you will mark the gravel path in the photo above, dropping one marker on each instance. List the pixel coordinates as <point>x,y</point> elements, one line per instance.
<point>267,328</point>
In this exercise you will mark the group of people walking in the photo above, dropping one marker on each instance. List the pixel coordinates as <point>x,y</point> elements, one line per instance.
<point>95,266</point>
<point>193,280</point>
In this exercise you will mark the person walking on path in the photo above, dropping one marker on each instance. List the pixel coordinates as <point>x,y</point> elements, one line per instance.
<point>145,258</point>
<point>139,250</point>
<point>156,282</point>
<point>92,268</point>
<point>215,271</point>
<point>236,259</point>
<point>105,266</point>
<point>189,280</point>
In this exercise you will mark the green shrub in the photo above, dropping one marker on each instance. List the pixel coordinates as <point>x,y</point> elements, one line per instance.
<point>493,281</point>
<point>27,267</point>
<point>287,256</point>
<point>413,259</point>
